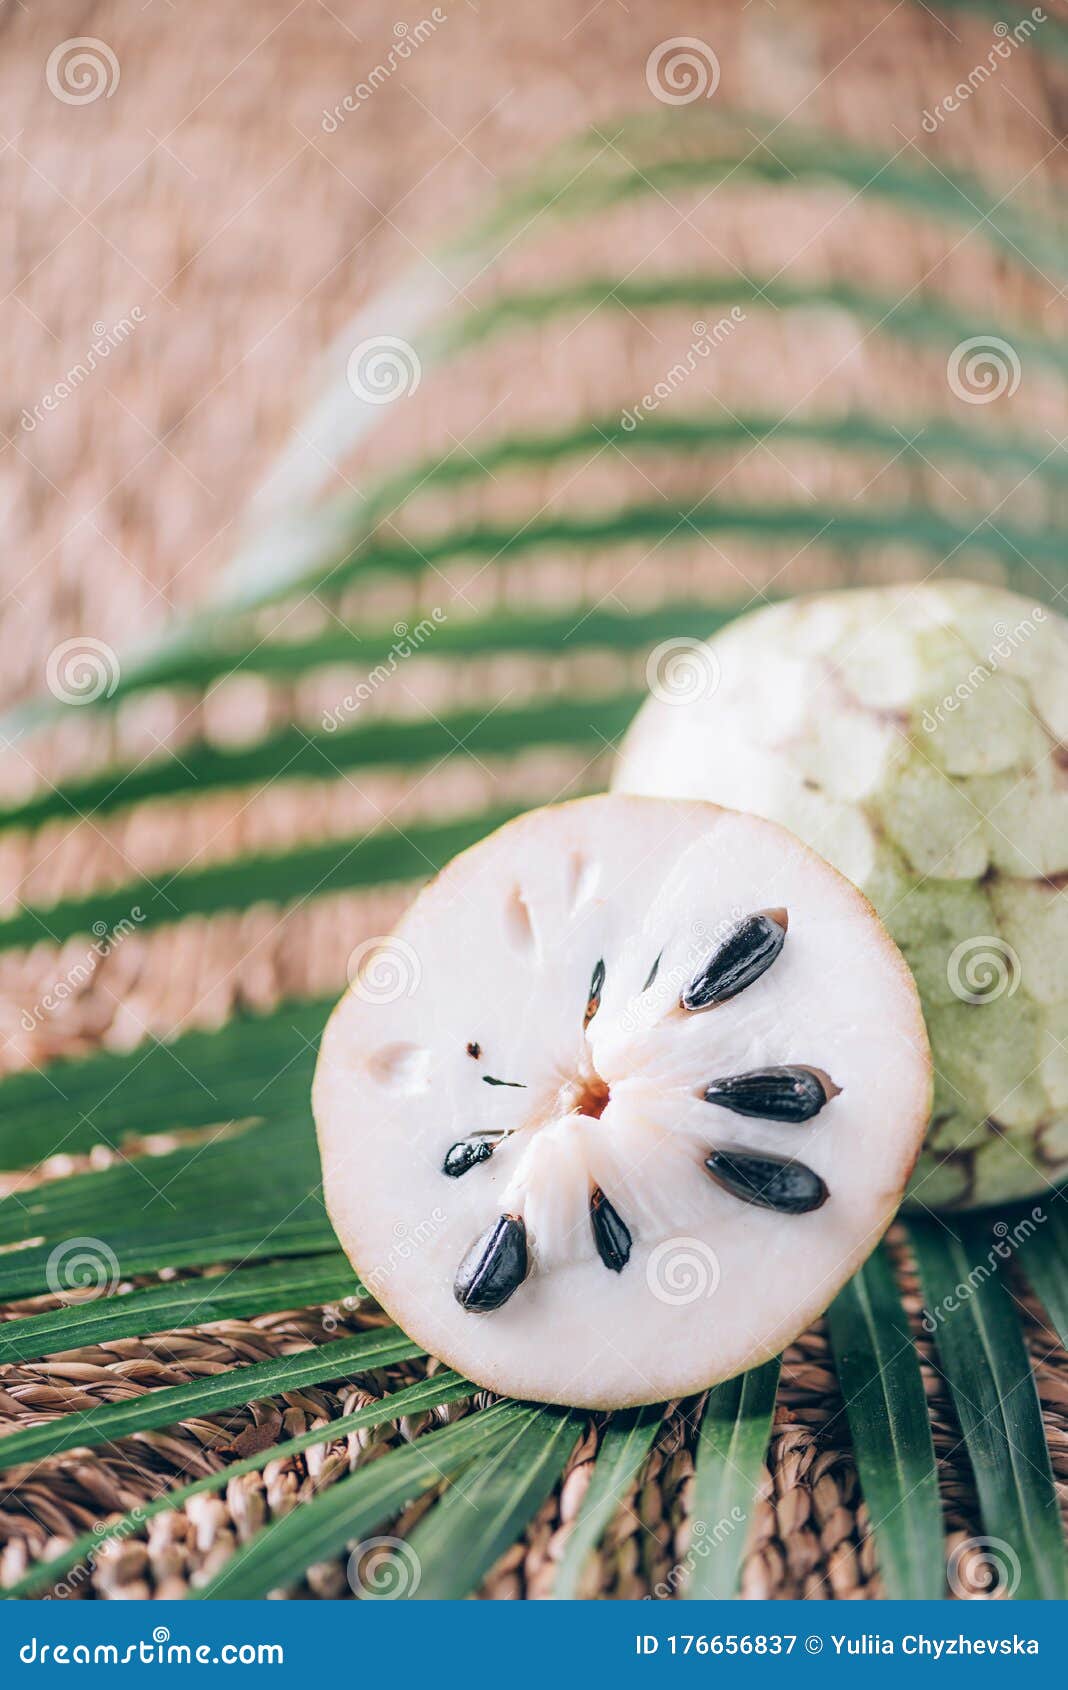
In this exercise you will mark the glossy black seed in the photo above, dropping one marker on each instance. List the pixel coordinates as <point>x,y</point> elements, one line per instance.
<point>488,1080</point>
<point>494,1267</point>
<point>609,1233</point>
<point>653,972</point>
<point>749,948</point>
<point>593,999</point>
<point>771,1182</point>
<point>771,1094</point>
<point>464,1155</point>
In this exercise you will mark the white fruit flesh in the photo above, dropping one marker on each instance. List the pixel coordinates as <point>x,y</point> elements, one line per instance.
<point>493,970</point>
<point>915,736</point>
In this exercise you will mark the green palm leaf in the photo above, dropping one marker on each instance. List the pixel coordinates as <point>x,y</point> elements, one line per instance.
<point>732,1445</point>
<point>256,1194</point>
<point>1024,233</point>
<point>989,1376</point>
<point>486,1509</point>
<point>1044,1257</point>
<point>295,754</point>
<point>666,523</point>
<point>254,1065</point>
<point>235,1295</point>
<point>197,661</point>
<point>624,1445</point>
<point>220,1391</point>
<point>357,1505</point>
<point>375,859</point>
<point>429,1393</point>
<point>886,1405</point>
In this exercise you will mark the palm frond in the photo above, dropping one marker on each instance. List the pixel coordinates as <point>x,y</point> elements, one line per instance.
<point>294,754</point>
<point>486,1508</point>
<point>369,1498</point>
<point>879,1372</point>
<point>253,1195</point>
<point>283,877</point>
<point>256,1065</point>
<point>234,1295</point>
<point>986,1367</point>
<point>731,1449</point>
<point>1044,1259</point>
<point>168,1406</point>
<point>433,1392</point>
<point>624,1445</point>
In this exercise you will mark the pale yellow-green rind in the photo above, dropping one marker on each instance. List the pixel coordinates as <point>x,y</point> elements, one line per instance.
<point>916,737</point>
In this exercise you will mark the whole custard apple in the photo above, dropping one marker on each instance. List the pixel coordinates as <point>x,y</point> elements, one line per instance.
<point>917,738</point>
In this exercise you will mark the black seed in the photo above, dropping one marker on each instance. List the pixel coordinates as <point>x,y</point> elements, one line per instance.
<point>474,1049</point>
<point>749,949</point>
<point>609,1233</point>
<point>773,1094</point>
<point>459,1158</point>
<point>593,1000</point>
<point>488,1080</point>
<point>494,1267</point>
<point>771,1182</point>
<point>653,972</point>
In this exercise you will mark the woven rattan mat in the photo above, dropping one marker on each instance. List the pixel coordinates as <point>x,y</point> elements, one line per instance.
<point>206,192</point>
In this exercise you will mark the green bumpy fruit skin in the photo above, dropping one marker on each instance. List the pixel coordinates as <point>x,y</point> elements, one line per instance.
<point>917,737</point>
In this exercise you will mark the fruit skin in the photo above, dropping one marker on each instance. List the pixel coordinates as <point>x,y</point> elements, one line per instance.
<point>916,737</point>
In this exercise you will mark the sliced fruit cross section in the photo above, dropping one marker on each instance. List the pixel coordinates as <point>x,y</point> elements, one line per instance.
<point>649,1091</point>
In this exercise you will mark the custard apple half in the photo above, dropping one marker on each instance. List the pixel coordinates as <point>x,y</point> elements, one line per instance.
<point>631,1091</point>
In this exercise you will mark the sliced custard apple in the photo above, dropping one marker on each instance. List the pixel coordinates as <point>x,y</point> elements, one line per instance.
<point>917,737</point>
<point>640,1087</point>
